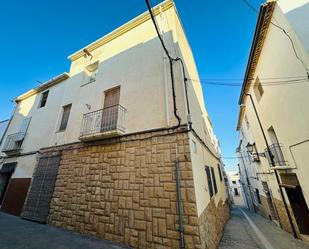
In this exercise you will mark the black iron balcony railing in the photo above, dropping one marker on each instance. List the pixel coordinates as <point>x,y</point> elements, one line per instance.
<point>276,154</point>
<point>102,121</point>
<point>13,142</point>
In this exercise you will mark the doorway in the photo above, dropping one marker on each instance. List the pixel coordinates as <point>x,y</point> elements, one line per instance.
<point>299,208</point>
<point>297,201</point>
<point>5,177</point>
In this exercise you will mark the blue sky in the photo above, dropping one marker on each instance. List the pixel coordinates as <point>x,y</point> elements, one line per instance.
<point>38,35</point>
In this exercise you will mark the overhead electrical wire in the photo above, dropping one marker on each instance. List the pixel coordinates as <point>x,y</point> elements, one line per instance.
<point>284,32</point>
<point>238,84</point>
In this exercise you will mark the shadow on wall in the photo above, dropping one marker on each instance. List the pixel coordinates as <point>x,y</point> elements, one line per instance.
<point>298,18</point>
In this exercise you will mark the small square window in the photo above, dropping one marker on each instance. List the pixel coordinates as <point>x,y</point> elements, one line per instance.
<point>43,99</point>
<point>91,73</point>
<point>258,89</point>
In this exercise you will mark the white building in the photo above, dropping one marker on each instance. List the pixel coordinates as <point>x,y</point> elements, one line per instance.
<point>235,189</point>
<point>273,119</point>
<point>107,139</point>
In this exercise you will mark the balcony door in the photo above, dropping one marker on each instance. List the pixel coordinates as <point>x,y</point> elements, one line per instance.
<point>110,109</point>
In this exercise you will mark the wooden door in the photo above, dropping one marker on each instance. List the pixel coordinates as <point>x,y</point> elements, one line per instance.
<point>110,109</point>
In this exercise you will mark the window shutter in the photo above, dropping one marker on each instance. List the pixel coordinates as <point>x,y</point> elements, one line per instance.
<point>214,180</point>
<point>23,129</point>
<point>211,191</point>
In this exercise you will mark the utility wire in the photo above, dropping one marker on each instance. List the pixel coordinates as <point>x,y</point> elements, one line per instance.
<point>238,84</point>
<point>171,60</point>
<point>284,32</point>
<point>261,78</point>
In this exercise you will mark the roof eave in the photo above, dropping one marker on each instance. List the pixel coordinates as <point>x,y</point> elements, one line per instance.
<point>122,29</point>
<point>263,22</point>
<point>54,81</point>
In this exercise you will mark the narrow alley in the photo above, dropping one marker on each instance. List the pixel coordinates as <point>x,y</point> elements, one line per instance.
<point>246,230</point>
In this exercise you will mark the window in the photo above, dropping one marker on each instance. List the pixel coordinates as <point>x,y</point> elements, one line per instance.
<point>236,193</point>
<point>219,171</point>
<point>258,195</point>
<point>258,89</point>
<point>211,191</point>
<point>247,122</point>
<point>91,72</point>
<point>214,180</point>
<point>65,117</point>
<point>194,147</point>
<point>43,99</point>
<point>234,182</point>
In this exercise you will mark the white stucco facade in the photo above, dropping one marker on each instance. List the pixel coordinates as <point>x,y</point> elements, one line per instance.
<point>281,103</point>
<point>131,57</point>
<point>235,189</point>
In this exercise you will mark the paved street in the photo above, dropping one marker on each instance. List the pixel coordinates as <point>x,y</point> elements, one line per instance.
<point>16,233</point>
<point>246,230</point>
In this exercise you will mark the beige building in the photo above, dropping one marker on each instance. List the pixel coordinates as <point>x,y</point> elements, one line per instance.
<point>115,148</point>
<point>273,119</point>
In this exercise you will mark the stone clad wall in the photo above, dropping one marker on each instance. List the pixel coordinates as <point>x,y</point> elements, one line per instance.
<point>284,220</point>
<point>211,223</point>
<point>125,191</point>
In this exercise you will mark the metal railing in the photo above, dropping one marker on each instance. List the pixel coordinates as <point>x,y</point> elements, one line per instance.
<point>103,120</point>
<point>13,142</point>
<point>276,154</point>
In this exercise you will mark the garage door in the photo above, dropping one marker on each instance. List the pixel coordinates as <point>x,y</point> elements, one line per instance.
<point>41,191</point>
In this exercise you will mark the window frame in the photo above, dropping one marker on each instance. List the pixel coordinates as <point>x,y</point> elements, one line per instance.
<point>214,181</point>
<point>258,89</point>
<point>220,172</point>
<point>209,181</point>
<point>43,94</point>
<point>61,129</point>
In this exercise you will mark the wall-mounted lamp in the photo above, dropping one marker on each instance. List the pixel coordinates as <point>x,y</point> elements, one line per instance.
<point>251,148</point>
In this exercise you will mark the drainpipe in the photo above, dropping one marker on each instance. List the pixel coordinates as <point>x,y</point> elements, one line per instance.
<point>179,207</point>
<point>248,181</point>
<point>273,164</point>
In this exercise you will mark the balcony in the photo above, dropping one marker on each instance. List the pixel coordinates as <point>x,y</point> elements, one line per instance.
<point>276,154</point>
<point>13,142</point>
<point>107,122</point>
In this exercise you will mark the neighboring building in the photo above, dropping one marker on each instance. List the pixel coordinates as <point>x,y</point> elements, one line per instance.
<point>4,175</point>
<point>3,127</point>
<point>273,154</point>
<point>102,146</point>
<point>235,189</point>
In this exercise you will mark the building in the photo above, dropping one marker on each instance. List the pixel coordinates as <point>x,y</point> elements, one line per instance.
<point>235,189</point>
<point>273,118</point>
<point>116,149</point>
<point>4,175</point>
<point>3,127</point>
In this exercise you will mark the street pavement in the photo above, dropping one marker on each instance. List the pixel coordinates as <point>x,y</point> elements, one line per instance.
<point>246,230</point>
<point>16,233</point>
